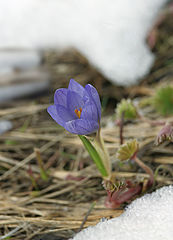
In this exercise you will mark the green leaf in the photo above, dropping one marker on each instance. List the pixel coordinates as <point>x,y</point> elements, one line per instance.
<point>127,150</point>
<point>94,155</point>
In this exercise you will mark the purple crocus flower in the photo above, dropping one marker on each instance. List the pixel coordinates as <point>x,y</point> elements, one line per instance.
<point>76,108</point>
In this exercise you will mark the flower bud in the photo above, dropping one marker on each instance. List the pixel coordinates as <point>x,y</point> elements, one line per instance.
<point>166,133</point>
<point>127,108</point>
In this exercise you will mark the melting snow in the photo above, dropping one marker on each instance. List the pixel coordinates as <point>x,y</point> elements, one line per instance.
<point>111,34</point>
<point>147,218</point>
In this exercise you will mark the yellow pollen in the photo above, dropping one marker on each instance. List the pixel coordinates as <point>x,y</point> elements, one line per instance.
<point>78,112</point>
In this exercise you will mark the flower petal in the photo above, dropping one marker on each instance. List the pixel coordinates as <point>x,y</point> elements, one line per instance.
<point>93,94</point>
<point>60,97</point>
<point>74,101</point>
<point>81,126</point>
<point>89,111</point>
<point>76,87</point>
<point>53,113</point>
<point>64,113</point>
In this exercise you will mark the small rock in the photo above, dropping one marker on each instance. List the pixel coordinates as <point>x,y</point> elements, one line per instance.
<point>5,126</point>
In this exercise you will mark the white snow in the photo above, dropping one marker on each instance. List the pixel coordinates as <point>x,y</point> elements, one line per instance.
<point>147,218</point>
<point>110,33</point>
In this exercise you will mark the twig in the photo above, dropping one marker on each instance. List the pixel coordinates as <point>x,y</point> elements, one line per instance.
<point>43,173</point>
<point>12,232</point>
<point>86,216</point>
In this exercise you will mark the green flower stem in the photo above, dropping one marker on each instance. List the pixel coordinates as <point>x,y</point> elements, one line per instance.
<point>94,155</point>
<point>98,143</point>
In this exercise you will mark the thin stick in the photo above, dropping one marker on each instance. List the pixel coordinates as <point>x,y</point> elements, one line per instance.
<point>43,173</point>
<point>86,216</point>
<point>8,235</point>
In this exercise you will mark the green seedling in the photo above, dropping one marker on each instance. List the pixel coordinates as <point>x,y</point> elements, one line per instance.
<point>163,100</point>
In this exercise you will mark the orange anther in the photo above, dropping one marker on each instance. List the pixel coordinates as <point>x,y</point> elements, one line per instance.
<point>78,112</point>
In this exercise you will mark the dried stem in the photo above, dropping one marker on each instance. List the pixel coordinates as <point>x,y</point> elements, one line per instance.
<point>146,168</point>
<point>121,128</point>
<point>86,216</point>
<point>43,173</point>
<point>33,180</point>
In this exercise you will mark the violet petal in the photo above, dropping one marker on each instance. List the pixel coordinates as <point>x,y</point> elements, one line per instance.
<point>74,101</point>
<point>53,113</point>
<point>93,94</point>
<point>76,87</point>
<point>64,113</point>
<point>81,126</point>
<point>89,112</point>
<point>60,97</point>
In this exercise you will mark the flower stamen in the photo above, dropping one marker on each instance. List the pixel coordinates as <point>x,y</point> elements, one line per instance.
<point>78,112</point>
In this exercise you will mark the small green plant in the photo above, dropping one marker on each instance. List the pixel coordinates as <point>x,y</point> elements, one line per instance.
<point>78,110</point>
<point>125,111</point>
<point>163,100</point>
<point>127,150</point>
<point>126,108</point>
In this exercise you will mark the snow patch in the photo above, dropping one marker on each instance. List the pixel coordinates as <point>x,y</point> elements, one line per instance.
<point>111,34</point>
<point>149,217</point>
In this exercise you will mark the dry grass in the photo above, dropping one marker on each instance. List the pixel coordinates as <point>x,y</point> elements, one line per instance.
<point>60,205</point>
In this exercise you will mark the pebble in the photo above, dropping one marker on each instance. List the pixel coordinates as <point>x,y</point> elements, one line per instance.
<point>5,126</point>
